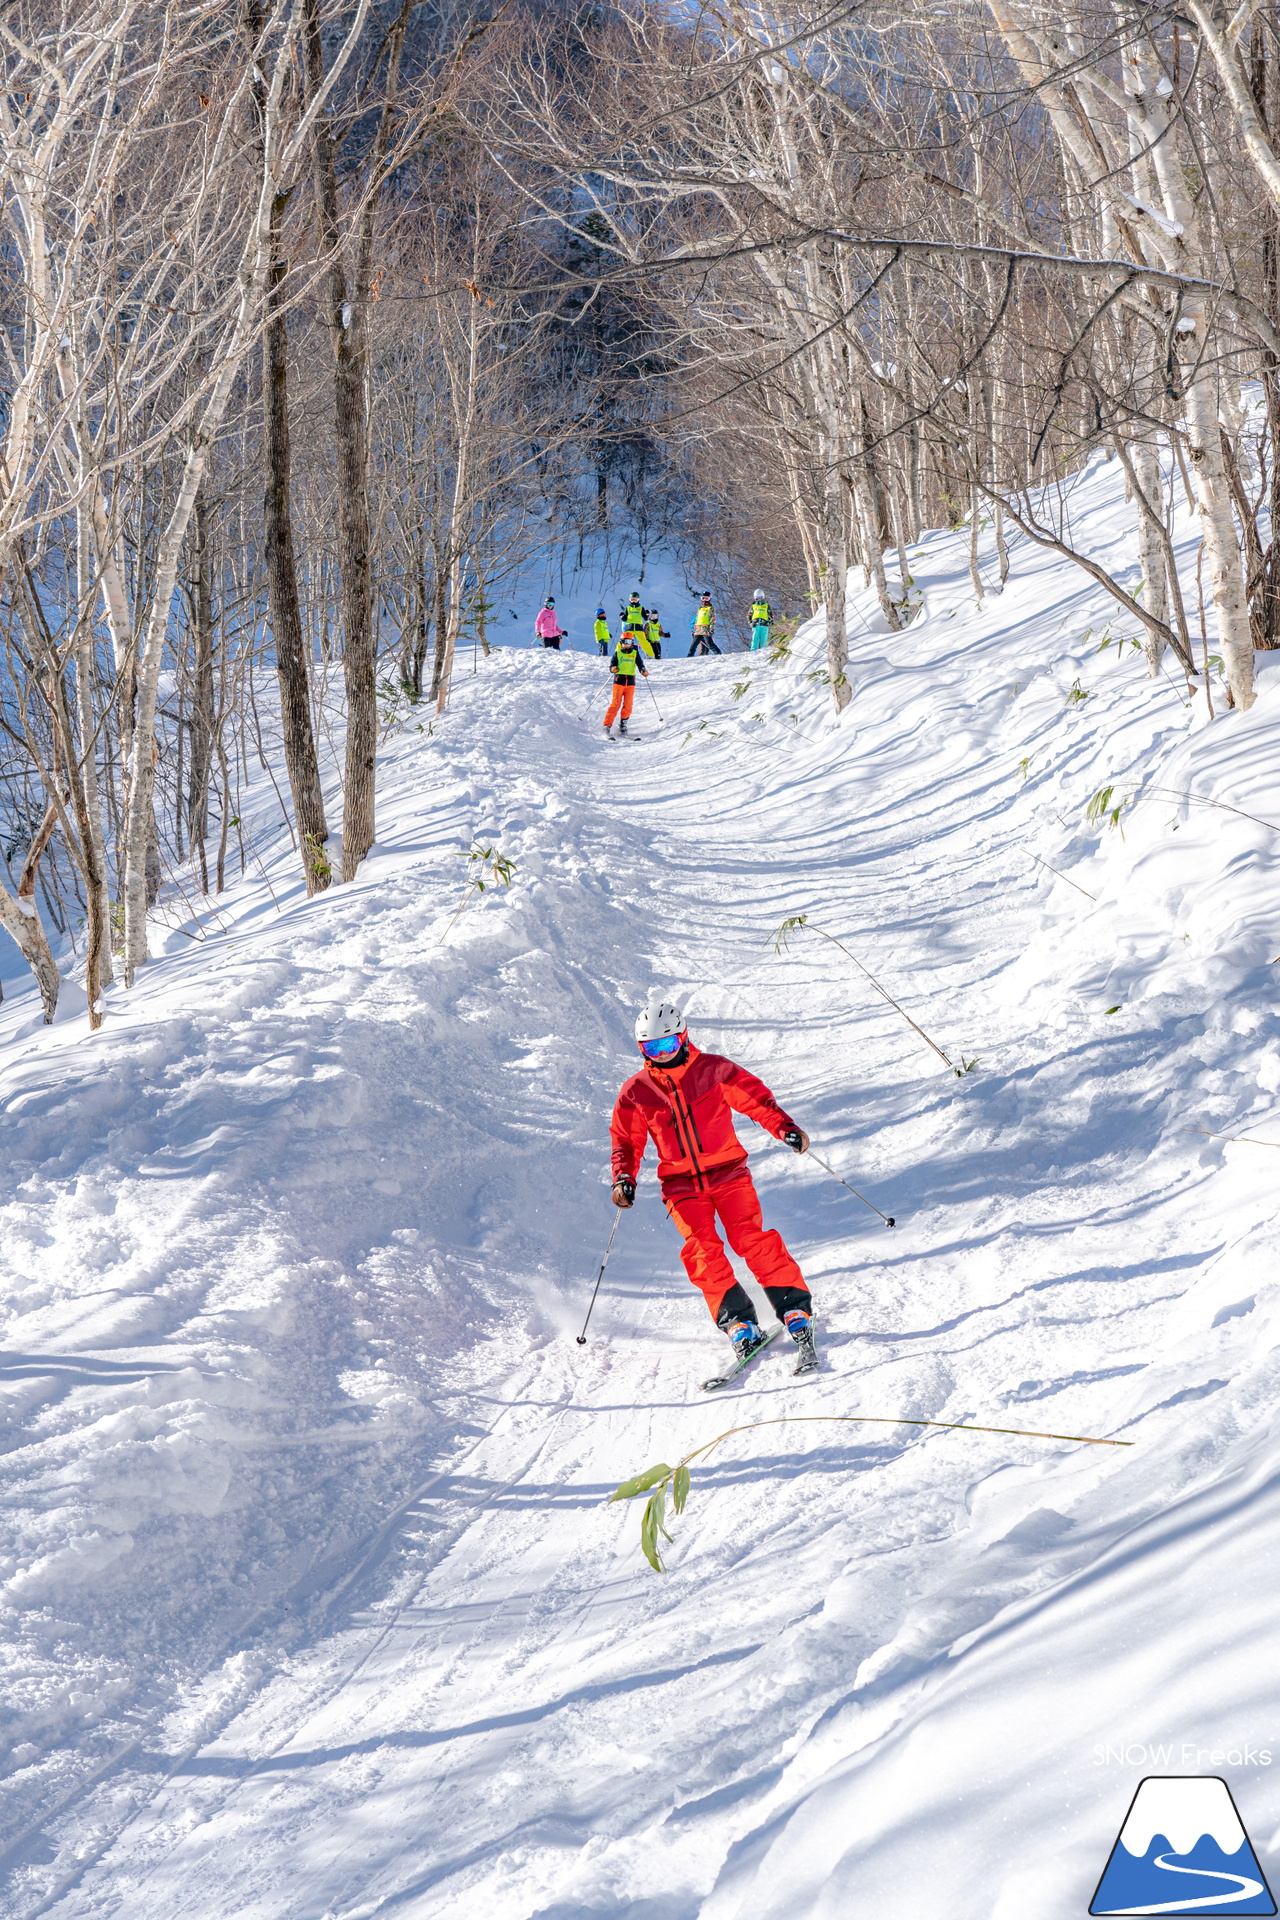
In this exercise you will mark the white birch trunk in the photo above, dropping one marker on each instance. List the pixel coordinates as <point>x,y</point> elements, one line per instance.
<point>460,480</point>
<point>1155,588</point>
<point>88,730</point>
<point>19,918</point>
<point>835,584</point>
<point>1217,524</point>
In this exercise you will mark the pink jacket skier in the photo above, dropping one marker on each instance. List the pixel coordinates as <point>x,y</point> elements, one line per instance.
<point>547,627</point>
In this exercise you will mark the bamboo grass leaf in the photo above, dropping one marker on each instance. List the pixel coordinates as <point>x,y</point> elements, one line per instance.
<point>786,929</point>
<point>651,1526</point>
<point>653,1523</point>
<point>642,1482</point>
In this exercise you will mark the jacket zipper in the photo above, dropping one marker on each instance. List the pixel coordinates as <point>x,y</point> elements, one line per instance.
<point>690,1133</point>
<point>688,1107</point>
<point>685,1148</point>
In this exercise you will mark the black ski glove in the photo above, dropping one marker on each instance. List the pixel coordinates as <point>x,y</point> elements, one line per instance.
<point>793,1138</point>
<point>624,1192</point>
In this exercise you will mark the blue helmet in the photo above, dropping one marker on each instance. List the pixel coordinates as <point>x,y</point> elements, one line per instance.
<point>600,613</point>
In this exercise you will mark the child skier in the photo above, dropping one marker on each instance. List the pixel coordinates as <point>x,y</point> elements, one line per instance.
<point>684,1100</point>
<point>602,633</point>
<point>633,612</point>
<point>626,661</point>
<point>761,620</point>
<point>703,627</point>
<point>547,627</point>
<point>636,629</point>
<point>657,633</point>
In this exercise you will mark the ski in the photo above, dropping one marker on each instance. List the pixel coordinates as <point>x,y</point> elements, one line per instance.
<point>724,1379</point>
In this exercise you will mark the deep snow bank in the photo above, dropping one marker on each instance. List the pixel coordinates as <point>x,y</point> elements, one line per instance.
<point>311,1605</point>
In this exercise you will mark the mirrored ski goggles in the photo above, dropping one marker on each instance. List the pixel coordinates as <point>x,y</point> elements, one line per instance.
<point>663,1049</point>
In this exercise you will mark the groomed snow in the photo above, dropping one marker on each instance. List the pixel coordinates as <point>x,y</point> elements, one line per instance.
<point>312,1606</point>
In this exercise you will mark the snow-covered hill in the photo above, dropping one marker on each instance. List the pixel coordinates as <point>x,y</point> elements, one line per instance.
<point>312,1605</point>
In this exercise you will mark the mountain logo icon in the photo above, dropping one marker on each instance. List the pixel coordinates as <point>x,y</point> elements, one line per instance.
<point>1182,1851</point>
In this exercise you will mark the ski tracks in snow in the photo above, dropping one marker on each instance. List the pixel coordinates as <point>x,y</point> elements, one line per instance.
<point>485,1702</point>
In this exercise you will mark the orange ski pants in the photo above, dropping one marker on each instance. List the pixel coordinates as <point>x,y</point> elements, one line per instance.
<point>732,1195</point>
<point>623,695</point>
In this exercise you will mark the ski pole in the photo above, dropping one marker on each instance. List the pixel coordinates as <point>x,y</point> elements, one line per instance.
<point>582,1337</point>
<point>886,1217</point>
<point>653,696</point>
<point>590,702</point>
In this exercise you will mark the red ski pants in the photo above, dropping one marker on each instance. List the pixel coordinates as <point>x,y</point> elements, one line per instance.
<point>733,1196</point>
<point>622,697</point>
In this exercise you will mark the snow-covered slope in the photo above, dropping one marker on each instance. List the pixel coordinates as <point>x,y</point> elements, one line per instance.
<point>312,1605</point>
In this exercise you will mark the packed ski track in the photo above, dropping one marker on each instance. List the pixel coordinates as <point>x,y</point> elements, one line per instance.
<point>313,1606</point>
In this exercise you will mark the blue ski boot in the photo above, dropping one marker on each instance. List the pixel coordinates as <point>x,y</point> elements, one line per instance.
<point>746,1338</point>
<point>800,1326</point>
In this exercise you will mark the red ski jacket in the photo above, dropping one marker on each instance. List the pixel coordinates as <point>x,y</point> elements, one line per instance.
<point>687,1111</point>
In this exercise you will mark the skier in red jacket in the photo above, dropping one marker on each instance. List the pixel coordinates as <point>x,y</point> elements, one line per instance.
<point>684,1101</point>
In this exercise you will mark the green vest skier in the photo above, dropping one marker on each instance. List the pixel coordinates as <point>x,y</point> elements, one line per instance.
<point>702,627</point>
<point>626,663</point>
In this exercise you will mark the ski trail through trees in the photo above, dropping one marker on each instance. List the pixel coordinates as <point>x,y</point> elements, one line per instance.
<point>325,1214</point>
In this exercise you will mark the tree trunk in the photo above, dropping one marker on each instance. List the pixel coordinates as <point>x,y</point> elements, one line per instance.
<point>202,712</point>
<point>482,610</point>
<point>1226,582</point>
<point>835,590</point>
<point>1155,588</point>
<point>1266,589</point>
<point>348,311</point>
<point>458,557</point>
<point>358,659</point>
<point>441,618</point>
<point>85,846</point>
<point>300,757</point>
<point>1002,546</point>
<point>422,616</point>
<point>98,902</point>
<point>975,512</point>
<point>20,919</point>
<point>153,871</point>
<point>225,823</point>
<point>27,930</point>
<point>866,520</point>
<point>453,622</point>
<point>1253,556</point>
<point>808,543</point>
<point>899,540</point>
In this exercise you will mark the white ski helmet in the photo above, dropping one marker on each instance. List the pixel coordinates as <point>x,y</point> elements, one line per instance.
<point>659,1018</point>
